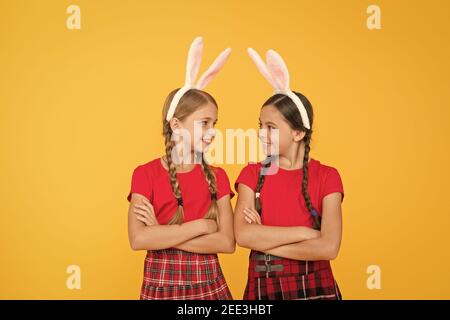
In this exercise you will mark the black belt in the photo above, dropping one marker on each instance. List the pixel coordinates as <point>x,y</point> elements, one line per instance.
<point>267,267</point>
<point>266,256</point>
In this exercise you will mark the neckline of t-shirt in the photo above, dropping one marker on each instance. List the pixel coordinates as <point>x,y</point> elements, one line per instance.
<point>182,173</point>
<point>310,162</point>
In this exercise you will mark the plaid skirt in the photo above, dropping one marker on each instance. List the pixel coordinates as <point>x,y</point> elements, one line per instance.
<point>287,279</point>
<point>174,274</point>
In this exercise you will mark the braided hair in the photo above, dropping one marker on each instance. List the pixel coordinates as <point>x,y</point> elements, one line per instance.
<point>190,102</point>
<point>290,112</point>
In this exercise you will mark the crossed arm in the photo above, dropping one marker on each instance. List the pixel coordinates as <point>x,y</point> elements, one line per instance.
<point>299,243</point>
<point>220,241</point>
<point>199,236</point>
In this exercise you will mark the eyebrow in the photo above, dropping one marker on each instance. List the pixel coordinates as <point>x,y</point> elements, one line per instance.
<point>209,118</point>
<point>268,122</point>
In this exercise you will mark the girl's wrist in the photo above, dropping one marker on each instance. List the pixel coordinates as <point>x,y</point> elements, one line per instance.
<point>197,226</point>
<point>310,233</point>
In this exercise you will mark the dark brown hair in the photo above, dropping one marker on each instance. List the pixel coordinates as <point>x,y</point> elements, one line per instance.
<point>291,113</point>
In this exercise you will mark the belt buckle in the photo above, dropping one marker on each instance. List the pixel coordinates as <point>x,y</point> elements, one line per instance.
<point>266,262</point>
<point>267,267</point>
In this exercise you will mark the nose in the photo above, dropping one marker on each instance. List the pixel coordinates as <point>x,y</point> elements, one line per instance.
<point>211,132</point>
<point>263,136</point>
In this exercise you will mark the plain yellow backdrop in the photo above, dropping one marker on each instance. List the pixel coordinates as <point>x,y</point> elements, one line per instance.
<point>80,109</point>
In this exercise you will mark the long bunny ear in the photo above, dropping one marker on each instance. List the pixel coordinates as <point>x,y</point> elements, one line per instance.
<point>192,67</point>
<point>278,69</point>
<point>194,60</point>
<point>277,74</point>
<point>260,64</point>
<point>212,71</point>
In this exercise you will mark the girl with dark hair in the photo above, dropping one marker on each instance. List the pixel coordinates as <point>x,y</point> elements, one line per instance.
<point>289,207</point>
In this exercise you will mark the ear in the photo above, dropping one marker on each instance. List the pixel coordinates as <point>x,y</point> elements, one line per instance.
<point>298,135</point>
<point>194,60</point>
<point>278,70</point>
<point>212,71</point>
<point>261,65</point>
<point>175,124</point>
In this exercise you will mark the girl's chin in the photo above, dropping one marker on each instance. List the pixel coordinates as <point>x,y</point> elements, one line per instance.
<point>267,149</point>
<point>203,147</point>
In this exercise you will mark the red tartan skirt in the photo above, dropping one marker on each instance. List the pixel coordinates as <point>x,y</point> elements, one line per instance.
<point>174,274</point>
<point>306,280</point>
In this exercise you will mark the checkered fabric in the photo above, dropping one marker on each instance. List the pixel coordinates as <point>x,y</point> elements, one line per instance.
<point>174,274</point>
<point>305,280</point>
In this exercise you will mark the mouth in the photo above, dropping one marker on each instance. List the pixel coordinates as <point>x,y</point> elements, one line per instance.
<point>207,140</point>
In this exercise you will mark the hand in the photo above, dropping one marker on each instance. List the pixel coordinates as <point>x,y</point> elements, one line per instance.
<point>252,216</point>
<point>145,213</point>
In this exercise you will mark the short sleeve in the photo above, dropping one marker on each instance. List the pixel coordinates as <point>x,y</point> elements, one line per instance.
<point>332,183</point>
<point>140,183</point>
<point>223,184</point>
<point>248,176</point>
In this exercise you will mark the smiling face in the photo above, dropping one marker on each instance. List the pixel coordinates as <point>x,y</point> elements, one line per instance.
<point>194,118</point>
<point>275,133</point>
<point>200,127</point>
<point>192,125</point>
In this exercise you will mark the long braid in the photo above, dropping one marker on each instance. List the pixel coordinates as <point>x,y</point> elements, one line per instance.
<point>213,212</point>
<point>316,218</point>
<point>290,113</point>
<point>179,214</point>
<point>261,178</point>
<point>191,101</point>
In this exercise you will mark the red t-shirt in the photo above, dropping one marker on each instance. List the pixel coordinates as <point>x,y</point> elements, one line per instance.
<point>281,196</point>
<point>152,181</point>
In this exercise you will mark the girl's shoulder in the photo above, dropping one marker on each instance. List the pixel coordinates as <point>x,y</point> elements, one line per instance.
<point>251,169</point>
<point>223,182</point>
<point>152,163</point>
<point>142,179</point>
<point>329,180</point>
<point>324,169</point>
<point>151,168</point>
<point>219,172</point>
<point>253,165</point>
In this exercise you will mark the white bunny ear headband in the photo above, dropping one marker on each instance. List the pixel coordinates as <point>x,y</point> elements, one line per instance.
<point>192,67</point>
<point>276,72</point>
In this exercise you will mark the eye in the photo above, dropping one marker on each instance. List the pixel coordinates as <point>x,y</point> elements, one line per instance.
<point>259,125</point>
<point>204,122</point>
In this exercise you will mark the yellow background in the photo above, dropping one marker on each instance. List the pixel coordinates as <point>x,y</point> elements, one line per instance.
<point>80,109</point>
